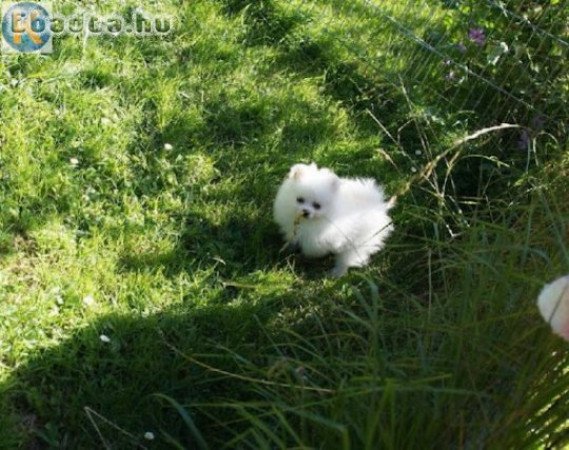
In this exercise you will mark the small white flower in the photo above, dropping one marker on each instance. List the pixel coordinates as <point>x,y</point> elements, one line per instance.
<point>149,436</point>
<point>89,300</point>
<point>414,169</point>
<point>104,338</point>
<point>168,147</point>
<point>56,291</point>
<point>73,161</point>
<point>553,304</point>
<point>418,152</point>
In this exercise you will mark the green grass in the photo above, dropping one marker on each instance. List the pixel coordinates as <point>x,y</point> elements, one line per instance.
<point>218,339</point>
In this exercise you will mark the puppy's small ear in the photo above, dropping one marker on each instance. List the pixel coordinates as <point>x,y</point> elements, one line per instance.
<point>297,171</point>
<point>334,179</point>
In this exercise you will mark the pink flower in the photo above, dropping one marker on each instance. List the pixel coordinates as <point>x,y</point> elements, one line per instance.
<point>477,36</point>
<point>553,304</point>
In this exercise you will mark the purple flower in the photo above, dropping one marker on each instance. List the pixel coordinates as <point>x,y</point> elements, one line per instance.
<point>477,36</point>
<point>538,122</point>
<point>524,140</point>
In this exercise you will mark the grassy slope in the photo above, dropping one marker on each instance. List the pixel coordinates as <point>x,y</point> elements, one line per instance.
<point>177,247</point>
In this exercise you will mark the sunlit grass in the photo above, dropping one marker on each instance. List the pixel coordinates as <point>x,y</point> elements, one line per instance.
<point>136,182</point>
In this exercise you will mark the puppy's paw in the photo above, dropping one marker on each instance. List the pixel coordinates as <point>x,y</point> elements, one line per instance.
<point>293,247</point>
<point>338,271</point>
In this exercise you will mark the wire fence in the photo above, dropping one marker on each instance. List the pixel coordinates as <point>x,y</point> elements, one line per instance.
<point>506,46</point>
<point>428,74</point>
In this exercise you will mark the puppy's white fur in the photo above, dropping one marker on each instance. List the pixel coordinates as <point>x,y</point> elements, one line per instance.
<point>325,214</point>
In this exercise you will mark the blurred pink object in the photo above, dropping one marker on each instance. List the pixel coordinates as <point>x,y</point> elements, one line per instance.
<point>553,304</point>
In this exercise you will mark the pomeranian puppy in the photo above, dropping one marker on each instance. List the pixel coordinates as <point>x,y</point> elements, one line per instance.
<point>325,214</point>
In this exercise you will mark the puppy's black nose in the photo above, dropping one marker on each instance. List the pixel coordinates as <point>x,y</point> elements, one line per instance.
<point>305,213</point>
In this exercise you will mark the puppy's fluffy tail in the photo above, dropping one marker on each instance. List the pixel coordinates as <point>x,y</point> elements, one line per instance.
<point>374,192</point>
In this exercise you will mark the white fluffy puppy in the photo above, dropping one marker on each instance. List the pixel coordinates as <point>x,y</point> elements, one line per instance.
<point>325,214</point>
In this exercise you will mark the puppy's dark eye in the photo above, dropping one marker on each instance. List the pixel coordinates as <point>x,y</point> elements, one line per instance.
<point>317,205</point>
<point>300,200</point>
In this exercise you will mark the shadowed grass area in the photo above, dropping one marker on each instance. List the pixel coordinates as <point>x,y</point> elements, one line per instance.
<point>136,185</point>
<point>261,364</point>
